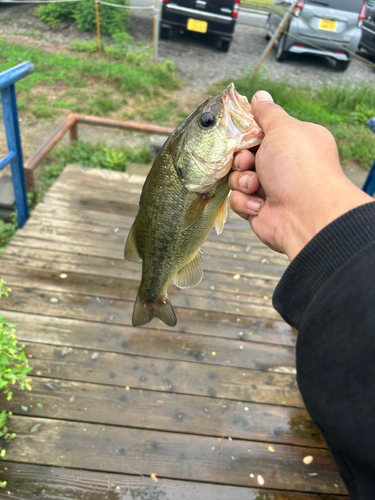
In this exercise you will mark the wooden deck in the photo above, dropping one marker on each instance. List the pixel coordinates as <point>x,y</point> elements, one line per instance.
<point>210,407</point>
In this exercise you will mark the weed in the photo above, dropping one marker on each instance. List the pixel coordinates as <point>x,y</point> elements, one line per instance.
<point>83,14</point>
<point>88,46</point>
<point>89,155</point>
<point>14,366</point>
<point>7,230</point>
<point>343,109</point>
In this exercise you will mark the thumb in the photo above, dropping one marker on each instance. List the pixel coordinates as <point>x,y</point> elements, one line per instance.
<point>266,112</point>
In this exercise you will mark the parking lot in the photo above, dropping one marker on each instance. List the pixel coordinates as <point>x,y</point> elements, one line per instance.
<point>201,63</point>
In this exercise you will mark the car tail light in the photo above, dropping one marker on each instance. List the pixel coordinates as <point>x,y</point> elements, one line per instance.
<point>236,8</point>
<point>299,7</point>
<point>362,15</point>
<point>165,1</point>
<point>339,52</point>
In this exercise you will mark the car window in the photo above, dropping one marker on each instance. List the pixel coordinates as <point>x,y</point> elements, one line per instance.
<point>347,5</point>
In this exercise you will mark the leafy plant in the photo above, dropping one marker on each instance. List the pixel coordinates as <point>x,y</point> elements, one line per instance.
<point>92,155</point>
<point>112,20</point>
<point>7,230</point>
<point>14,367</point>
<point>88,46</point>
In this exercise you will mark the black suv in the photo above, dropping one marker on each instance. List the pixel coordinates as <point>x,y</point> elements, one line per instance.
<point>217,17</point>
<point>368,29</point>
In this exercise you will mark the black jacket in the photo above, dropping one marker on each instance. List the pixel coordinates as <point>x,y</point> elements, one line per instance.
<point>328,294</point>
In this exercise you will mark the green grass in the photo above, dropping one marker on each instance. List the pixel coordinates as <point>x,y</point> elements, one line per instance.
<point>343,109</point>
<point>88,72</point>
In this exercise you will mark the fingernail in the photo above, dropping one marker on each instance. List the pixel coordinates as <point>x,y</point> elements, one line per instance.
<point>263,95</point>
<point>253,205</point>
<point>244,181</point>
<point>236,162</point>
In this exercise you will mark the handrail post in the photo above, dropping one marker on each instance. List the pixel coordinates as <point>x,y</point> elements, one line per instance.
<point>14,157</point>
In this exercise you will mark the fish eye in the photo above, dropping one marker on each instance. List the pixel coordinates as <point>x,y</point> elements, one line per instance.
<point>207,120</point>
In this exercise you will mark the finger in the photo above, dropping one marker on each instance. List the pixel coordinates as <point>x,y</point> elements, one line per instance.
<point>267,113</point>
<point>246,182</point>
<point>244,160</point>
<point>244,204</point>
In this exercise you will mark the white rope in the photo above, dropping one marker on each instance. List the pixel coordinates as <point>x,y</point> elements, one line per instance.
<point>124,6</point>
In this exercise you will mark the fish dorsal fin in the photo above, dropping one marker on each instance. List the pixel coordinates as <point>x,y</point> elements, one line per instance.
<point>221,216</point>
<point>191,274</point>
<point>195,210</point>
<point>131,251</point>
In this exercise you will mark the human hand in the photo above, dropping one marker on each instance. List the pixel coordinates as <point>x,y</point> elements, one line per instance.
<point>302,187</point>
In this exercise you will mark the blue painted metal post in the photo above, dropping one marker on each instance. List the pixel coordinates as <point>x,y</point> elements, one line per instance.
<point>14,156</point>
<point>369,185</point>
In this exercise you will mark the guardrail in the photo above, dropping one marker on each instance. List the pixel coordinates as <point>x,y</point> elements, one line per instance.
<point>14,157</point>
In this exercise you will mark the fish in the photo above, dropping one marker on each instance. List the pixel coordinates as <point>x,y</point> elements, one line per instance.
<point>184,195</point>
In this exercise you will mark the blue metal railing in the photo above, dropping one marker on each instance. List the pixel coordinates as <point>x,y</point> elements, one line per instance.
<point>14,157</point>
<point>369,185</point>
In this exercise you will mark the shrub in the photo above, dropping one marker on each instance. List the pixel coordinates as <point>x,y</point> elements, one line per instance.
<point>14,367</point>
<point>112,20</point>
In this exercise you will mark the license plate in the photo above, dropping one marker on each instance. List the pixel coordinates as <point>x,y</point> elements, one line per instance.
<point>326,24</point>
<point>196,25</point>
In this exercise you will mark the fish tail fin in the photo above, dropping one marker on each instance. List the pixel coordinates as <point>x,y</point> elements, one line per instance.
<point>144,311</point>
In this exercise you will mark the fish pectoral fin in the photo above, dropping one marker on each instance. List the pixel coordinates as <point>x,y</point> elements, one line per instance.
<point>131,251</point>
<point>195,210</point>
<point>221,216</point>
<point>191,274</point>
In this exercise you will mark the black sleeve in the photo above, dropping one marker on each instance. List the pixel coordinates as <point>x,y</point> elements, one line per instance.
<point>328,294</point>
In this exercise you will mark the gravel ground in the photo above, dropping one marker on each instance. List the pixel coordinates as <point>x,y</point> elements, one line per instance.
<point>199,61</point>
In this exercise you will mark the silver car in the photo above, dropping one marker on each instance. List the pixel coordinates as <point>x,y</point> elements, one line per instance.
<point>323,27</point>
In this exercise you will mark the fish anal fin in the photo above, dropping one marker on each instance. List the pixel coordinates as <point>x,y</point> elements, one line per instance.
<point>221,216</point>
<point>144,311</point>
<point>131,251</point>
<point>191,274</point>
<point>195,210</point>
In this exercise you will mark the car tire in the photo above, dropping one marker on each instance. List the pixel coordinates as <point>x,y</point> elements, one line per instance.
<point>164,33</point>
<point>281,54</point>
<point>225,44</point>
<point>267,35</point>
<point>342,65</point>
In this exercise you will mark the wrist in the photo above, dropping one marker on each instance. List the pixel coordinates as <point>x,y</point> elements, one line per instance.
<point>304,224</point>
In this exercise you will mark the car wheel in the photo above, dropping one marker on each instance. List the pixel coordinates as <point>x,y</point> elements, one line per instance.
<point>267,35</point>
<point>281,54</point>
<point>342,65</point>
<point>225,45</point>
<point>164,33</point>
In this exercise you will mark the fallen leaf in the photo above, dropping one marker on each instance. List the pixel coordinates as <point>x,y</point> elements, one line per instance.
<point>308,459</point>
<point>271,449</point>
<point>154,478</point>
<point>35,428</point>
<point>236,276</point>
<point>54,300</point>
<point>63,276</point>
<point>260,480</point>
<point>213,353</point>
<point>127,388</point>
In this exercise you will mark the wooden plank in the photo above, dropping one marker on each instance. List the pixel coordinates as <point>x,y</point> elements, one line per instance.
<point>116,288</point>
<point>157,374</point>
<point>171,455</point>
<point>51,330</point>
<point>161,344</point>
<point>120,311</point>
<point>112,245</point>
<point>37,481</point>
<point>225,266</point>
<point>84,402</point>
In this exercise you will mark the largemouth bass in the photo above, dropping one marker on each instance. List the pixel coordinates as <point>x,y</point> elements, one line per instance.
<point>184,195</point>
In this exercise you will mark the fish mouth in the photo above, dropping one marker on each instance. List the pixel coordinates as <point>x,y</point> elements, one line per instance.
<point>239,119</point>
